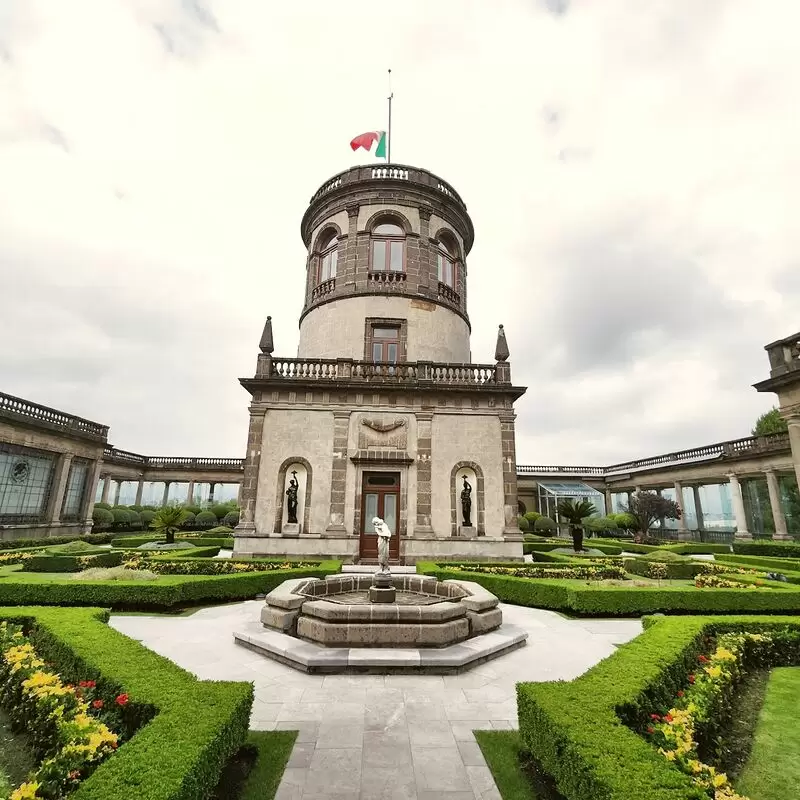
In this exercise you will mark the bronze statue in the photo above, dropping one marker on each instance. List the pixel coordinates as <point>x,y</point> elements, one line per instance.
<point>466,503</point>
<point>291,493</point>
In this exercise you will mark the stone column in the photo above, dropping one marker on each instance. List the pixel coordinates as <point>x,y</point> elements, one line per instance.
<point>117,493</point>
<point>249,488</point>
<point>87,506</point>
<point>139,490</point>
<point>793,421</point>
<point>683,528</point>
<point>698,508</point>
<point>165,496</point>
<point>341,435</point>
<point>511,531</point>
<point>427,277</point>
<point>422,526</point>
<point>58,489</point>
<point>609,503</point>
<point>106,487</point>
<point>781,531</point>
<point>738,508</point>
<point>190,493</point>
<point>211,493</point>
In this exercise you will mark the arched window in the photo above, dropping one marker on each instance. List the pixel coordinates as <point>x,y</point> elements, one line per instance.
<point>387,251</point>
<point>446,264</point>
<point>328,257</point>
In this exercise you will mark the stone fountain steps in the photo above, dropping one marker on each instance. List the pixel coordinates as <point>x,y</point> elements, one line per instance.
<point>370,569</point>
<point>314,658</point>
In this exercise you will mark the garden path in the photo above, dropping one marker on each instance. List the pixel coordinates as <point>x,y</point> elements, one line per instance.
<point>374,737</point>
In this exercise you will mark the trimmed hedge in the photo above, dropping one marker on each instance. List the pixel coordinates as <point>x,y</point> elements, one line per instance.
<point>57,563</point>
<point>771,549</point>
<point>761,562</point>
<point>676,570</point>
<point>128,542</point>
<point>173,555</point>
<point>682,548</point>
<point>622,600</point>
<point>192,727</point>
<point>545,547</point>
<point>577,730</point>
<point>91,538</point>
<point>166,592</point>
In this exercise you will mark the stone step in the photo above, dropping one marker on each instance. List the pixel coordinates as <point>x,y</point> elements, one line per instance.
<point>368,569</point>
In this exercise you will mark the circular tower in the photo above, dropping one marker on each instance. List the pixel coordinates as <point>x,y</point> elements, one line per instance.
<point>386,273</point>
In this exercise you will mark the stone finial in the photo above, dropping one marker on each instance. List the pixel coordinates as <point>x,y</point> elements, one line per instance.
<point>501,349</point>
<point>265,344</point>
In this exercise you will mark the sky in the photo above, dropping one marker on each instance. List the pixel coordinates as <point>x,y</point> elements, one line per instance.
<point>631,169</point>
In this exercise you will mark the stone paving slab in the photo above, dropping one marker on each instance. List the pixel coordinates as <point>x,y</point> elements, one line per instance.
<point>382,737</point>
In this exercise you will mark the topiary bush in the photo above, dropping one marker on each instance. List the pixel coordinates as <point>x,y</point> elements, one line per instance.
<point>219,510</point>
<point>146,516</point>
<point>134,520</point>
<point>531,516</point>
<point>136,508</point>
<point>545,526</point>
<point>231,519</point>
<point>102,518</point>
<point>205,519</point>
<point>523,523</point>
<point>106,506</point>
<point>122,517</point>
<point>188,523</point>
<point>194,509</point>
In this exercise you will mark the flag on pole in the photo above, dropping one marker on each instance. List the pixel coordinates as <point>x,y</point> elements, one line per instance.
<point>366,140</point>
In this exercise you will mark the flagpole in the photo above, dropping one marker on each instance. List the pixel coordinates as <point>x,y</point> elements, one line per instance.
<point>389,132</point>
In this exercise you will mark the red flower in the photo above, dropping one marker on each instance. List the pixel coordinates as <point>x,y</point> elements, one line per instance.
<point>97,704</point>
<point>668,717</point>
<point>121,699</point>
<point>87,684</point>
<point>655,717</point>
<point>702,659</point>
<point>75,774</point>
<point>691,679</point>
<point>680,692</point>
<point>651,729</point>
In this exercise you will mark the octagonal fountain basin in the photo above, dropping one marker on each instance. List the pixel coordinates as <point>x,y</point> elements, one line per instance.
<point>331,625</point>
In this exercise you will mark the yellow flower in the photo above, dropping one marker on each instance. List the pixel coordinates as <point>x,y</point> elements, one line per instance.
<point>695,765</point>
<point>27,791</point>
<point>669,754</point>
<point>723,654</point>
<point>720,780</point>
<point>714,672</point>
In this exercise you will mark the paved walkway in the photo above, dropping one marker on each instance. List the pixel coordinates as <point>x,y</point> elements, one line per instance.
<point>373,737</point>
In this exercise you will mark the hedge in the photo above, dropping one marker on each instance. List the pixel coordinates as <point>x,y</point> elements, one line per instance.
<point>772,549</point>
<point>56,563</point>
<point>91,538</point>
<point>127,542</point>
<point>197,552</point>
<point>682,548</point>
<point>166,592</point>
<point>784,565</point>
<point>546,547</point>
<point>192,727</point>
<point>676,570</point>
<point>621,599</point>
<point>578,732</point>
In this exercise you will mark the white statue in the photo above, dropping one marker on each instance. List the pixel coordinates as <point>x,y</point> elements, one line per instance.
<point>384,534</point>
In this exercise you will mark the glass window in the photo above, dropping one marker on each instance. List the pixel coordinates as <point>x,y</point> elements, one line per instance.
<point>390,512</point>
<point>396,256</point>
<point>387,250</point>
<point>386,345</point>
<point>384,333</point>
<point>25,483</point>
<point>328,259</point>
<point>76,485</point>
<point>370,511</point>
<point>388,229</point>
<point>446,266</point>
<point>378,255</point>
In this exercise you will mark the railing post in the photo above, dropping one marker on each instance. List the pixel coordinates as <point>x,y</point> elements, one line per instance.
<point>344,368</point>
<point>502,372</point>
<point>264,366</point>
<point>425,374</point>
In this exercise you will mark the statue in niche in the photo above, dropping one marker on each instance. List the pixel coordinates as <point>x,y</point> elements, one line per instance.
<point>291,494</point>
<point>466,503</point>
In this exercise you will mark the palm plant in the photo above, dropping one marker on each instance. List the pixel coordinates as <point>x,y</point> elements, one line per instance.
<point>574,512</point>
<point>168,521</point>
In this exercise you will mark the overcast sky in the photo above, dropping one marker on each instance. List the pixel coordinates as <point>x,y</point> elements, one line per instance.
<point>631,168</point>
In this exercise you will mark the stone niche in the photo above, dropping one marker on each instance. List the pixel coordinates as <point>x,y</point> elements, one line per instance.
<point>288,528</point>
<point>462,529</point>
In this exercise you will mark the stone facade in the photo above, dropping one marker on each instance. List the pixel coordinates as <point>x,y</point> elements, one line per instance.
<point>383,392</point>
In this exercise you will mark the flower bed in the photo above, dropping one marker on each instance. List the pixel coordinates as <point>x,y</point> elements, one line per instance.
<point>183,730</point>
<point>593,572</point>
<point>584,732</point>
<point>12,557</point>
<point>61,720</point>
<point>163,565</point>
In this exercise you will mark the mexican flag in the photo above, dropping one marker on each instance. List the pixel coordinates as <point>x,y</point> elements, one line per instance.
<point>366,140</point>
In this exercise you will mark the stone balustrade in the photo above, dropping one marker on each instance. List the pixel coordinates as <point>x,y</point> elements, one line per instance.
<point>323,289</point>
<point>784,355</point>
<point>112,455</point>
<point>404,372</point>
<point>17,407</point>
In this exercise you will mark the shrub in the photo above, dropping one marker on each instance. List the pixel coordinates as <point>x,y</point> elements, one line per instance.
<point>16,544</point>
<point>522,523</point>
<point>122,517</point>
<point>75,547</point>
<point>664,568</point>
<point>193,509</point>
<point>187,729</point>
<point>146,516</point>
<point>206,519</point>
<point>135,521</point>
<point>773,549</point>
<point>531,516</point>
<point>188,522</point>
<point>67,563</point>
<point>220,530</point>
<point>545,526</point>
<point>231,519</point>
<point>106,506</point>
<point>136,508</point>
<point>115,574</point>
<point>219,510</point>
<point>102,518</point>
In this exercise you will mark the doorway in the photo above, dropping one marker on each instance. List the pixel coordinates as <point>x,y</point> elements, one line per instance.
<point>380,497</point>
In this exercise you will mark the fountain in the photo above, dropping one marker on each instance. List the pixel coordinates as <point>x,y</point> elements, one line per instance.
<point>383,622</point>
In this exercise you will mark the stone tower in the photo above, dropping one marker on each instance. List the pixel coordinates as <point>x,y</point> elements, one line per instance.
<point>382,412</point>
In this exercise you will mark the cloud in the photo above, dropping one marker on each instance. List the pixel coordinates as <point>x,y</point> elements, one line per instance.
<point>630,170</point>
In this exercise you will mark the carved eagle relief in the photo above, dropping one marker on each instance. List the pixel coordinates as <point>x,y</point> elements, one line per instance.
<point>383,427</point>
<point>383,434</point>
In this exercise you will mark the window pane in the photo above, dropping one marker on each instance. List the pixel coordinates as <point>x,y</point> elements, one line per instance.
<point>328,241</point>
<point>370,511</point>
<point>385,333</point>
<point>25,482</point>
<point>392,351</point>
<point>390,512</point>
<point>378,255</point>
<point>334,261</point>
<point>444,248</point>
<point>389,229</point>
<point>396,250</point>
<point>440,267</point>
<point>377,351</point>
<point>448,272</point>
<point>325,268</point>
<point>73,497</point>
<point>382,480</point>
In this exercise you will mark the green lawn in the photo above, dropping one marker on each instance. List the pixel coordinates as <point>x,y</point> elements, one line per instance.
<point>773,769</point>
<point>14,574</point>
<point>16,759</point>
<point>502,749</point>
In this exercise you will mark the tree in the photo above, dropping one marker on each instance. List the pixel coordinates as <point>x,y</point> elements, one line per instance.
<point>168,521</point>
<point>647,507</point>
<point>770,422</point>
<point>574,512</point>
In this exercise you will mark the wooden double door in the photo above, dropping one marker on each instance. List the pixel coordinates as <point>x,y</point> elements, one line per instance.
<point>380,497</point>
